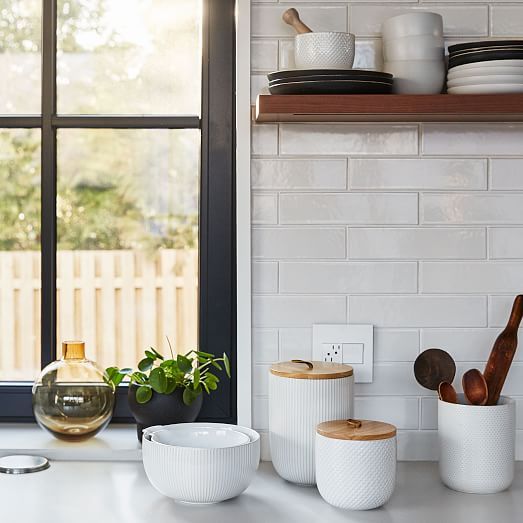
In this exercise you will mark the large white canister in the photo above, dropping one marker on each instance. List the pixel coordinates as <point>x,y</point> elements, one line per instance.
<point>301,395</point>
<point>356,463</point>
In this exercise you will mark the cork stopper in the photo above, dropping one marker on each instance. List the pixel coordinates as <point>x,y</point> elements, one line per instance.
<point>73,350</point>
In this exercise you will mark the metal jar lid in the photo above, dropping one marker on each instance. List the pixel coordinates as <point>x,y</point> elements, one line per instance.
<point>311,370</point>
<point>21,464</point>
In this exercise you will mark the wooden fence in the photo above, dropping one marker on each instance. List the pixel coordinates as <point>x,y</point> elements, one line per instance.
<point>118,302</point>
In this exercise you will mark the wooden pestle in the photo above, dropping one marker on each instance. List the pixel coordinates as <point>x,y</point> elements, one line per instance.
<point>292,17</point>
<point>502,353</point>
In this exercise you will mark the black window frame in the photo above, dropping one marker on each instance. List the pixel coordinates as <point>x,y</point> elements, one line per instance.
<point>217,245</point>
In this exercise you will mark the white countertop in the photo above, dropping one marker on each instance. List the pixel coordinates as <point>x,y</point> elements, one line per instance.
<point>119,491</point>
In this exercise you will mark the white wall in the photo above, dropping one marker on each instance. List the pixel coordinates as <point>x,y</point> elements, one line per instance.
<point>424,222</point>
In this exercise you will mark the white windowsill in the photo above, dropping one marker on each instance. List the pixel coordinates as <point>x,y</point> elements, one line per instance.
<point>117,442</point>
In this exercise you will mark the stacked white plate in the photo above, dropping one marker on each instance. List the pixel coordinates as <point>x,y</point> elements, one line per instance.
<point>490,68</point>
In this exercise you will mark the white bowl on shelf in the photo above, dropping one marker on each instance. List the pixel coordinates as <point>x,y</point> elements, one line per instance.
<point>414,48</point>
<point>202,472</point>
<point>413,23</point>
<point>324,50</point>
<point>417,76</point>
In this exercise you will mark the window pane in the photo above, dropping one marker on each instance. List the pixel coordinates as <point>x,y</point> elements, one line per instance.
<point>19,254</point>
<point>129,56</point>
<point>20,68</point>
<point>128,240</point>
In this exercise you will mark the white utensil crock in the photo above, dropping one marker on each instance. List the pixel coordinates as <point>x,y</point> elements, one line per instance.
<point>326,50</point>
<point>477,445</point>
<point>356,468</point>
<point>299,399</point>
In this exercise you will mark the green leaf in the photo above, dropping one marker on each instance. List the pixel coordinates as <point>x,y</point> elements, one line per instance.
<point>212,377</point>
<point>189,396</point>
<point>206,354</point>
<point>157,354</point>
<point>150,355</point>
<point>158,380</point>
<point>171,385</point>
<point>110,372</point>
<point>212,385</point>
<point>138,377</point>
<point>216,364</point>
<point>145,364</point>
<point>143,394</point>
<point>184,364</point>
<point>206,387</point>
<point>125,371</point>
<point>196,377</point>
<point>227,364</point>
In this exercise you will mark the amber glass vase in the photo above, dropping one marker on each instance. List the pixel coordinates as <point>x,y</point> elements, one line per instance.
<point>71,400</point>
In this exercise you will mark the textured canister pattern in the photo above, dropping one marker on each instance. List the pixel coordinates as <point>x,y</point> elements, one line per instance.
<point>477,446</point>
<point>355,475</point>
<point>296,406</point>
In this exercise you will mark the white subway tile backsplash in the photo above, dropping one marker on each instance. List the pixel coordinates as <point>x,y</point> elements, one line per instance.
<point>346,278</point>
<point>346,139</point>
<point>478,139</point>
<point>297,311</point>
<point>264,55</point>
<point>506,174</point>
<point>418,445</point>
<point>260,379</point>
<point>506,20</point>
<point>429,413</point>
<point>464,344</point>
<point>295,344</point>
<point>499,308</point>
<point>360,208</point>
<point>418,174</point>
<point>390,379</point>
<point>264,277</point>
<point>506,242</point>
<point>267,21</point>
<point>419,311</point>
<point>264,139</point>
<point>395,345</point>
<point>471,209</point>
<point>366,20</point>
<point>265,345</point>
<point>299,174</point>
<point>471,277</point>
<point>264,209</point>
<point>259,85</point>
<point>403,413</point>
<point>298,243</point>
<point>417,243</point>
<point>260,418</point>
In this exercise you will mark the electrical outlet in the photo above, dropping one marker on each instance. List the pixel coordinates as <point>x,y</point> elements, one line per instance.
<point>332,352</point>
<point>350,344</point>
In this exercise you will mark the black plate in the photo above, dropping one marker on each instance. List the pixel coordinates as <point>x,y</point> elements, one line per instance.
<point>473,52</point>
<point>484,56</point>
<point>345,73</point>
<point>321,78</point>
<point>331,87</point>
<point>456,48</point>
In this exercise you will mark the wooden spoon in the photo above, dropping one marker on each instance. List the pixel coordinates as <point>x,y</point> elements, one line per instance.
<point>475,387</point>
<point>447,392</point>
<point>292,17</point>
<point>434,366</point>
<point>502,353</point>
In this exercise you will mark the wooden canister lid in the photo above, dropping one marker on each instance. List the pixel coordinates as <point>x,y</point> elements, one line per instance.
<point>311,370</point>
<point>356,430</point>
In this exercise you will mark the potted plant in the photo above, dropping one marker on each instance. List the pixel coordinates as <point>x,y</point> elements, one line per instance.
<point>164,391</point>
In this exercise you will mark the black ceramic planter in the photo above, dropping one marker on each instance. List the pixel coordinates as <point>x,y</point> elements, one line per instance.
<point>162,409</point>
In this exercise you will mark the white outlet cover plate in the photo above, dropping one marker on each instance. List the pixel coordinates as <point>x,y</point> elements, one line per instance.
<point>347,334</point>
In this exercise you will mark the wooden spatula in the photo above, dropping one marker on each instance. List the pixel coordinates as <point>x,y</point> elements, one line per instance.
<point>292,17</point>
<point>502,353</point>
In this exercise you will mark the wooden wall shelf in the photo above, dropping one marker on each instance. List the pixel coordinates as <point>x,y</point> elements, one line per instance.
<point>389,108</point>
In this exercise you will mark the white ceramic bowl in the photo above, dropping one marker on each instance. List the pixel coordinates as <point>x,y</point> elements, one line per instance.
<point>425,47</point>
<point>204,437</point>
<point>477,445</point>
<point>418,76</point>
<point>412,24</point>
<point>196,474</point>
<point>327,50</point>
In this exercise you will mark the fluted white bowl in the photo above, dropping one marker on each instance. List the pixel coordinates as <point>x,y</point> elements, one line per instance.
<point>324,50</point>
<point>417,76</point>
<point>426,47</point>
<point>412,24</point>
<point>203,437</point>
<point>196,474</point>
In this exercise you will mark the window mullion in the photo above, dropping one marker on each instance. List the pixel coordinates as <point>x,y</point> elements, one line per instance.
<point>48,183</point>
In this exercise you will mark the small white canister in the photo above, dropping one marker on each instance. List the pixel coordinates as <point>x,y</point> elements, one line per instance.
<point>477,445</point>
<point>356,463</point>
<point>301,395</point>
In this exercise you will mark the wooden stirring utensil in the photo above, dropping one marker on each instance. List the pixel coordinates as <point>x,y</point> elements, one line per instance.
<point>502,353</point>
<point>292,17</point>
<point>475,387</point>
<point>447,392</point>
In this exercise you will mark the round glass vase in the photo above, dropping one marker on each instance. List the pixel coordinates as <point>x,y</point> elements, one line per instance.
<point>71,400</point>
